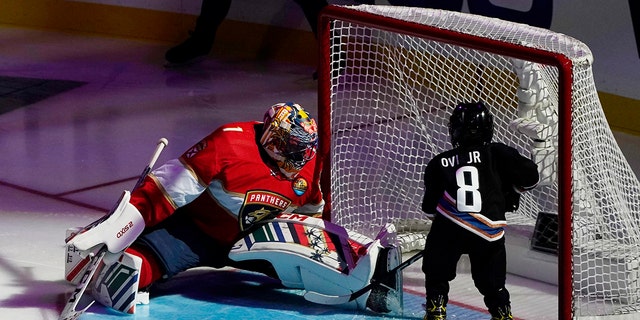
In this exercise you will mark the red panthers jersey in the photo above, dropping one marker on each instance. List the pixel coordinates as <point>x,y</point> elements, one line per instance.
<point>226,185</point>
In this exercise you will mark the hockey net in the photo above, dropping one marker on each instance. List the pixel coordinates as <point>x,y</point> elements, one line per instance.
<point>389,77</point>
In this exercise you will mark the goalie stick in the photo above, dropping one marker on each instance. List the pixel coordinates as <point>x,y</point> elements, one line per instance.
<point>333,300</point>
<point>69,312</point>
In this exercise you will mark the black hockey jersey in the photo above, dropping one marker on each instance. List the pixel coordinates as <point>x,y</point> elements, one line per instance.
<point>469,186</point>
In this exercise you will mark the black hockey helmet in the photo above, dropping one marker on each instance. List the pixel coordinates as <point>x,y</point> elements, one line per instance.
<point>470,124</point>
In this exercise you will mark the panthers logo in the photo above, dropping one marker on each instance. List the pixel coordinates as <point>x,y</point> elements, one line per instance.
<point>260,205</point>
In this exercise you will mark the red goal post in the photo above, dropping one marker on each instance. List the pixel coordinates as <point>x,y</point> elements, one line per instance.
<point>388,77</point>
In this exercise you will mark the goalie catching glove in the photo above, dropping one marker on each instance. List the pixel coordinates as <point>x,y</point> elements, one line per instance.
<point>117,232</point>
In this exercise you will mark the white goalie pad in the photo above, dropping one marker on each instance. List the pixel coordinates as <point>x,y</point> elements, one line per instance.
<point>315,255</point>
<point>116,285</point>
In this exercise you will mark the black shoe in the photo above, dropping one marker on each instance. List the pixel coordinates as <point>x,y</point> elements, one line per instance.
<point>502,313</point>
<point>436,308</point>
<point>189,52</point>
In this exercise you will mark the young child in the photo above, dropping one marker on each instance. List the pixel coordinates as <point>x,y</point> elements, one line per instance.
<point>467,191</point>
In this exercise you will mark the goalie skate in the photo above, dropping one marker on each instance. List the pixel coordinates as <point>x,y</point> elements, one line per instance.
<point>387,296</point>
<point>117,284</point>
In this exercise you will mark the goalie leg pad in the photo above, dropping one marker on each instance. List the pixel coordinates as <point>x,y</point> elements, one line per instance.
<point>117,284</point>
<point>309,255</point>
<point>328,283</point>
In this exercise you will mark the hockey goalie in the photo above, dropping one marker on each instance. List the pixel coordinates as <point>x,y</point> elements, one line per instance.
<point>245,196</point>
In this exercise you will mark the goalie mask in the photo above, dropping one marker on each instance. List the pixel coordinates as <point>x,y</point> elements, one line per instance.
<point>470,124</point>
<point>290,137</point>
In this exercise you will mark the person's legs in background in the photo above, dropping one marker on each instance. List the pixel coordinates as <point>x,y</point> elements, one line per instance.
<point>199,43</point>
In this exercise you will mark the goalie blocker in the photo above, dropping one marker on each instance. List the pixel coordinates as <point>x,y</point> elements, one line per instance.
<point>306,253</point>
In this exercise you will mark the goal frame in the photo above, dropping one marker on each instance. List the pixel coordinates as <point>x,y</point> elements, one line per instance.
<point>560,61</point>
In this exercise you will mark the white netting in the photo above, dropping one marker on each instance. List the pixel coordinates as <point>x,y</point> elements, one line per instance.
<point>391,93</point>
